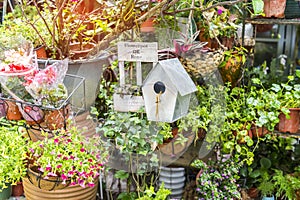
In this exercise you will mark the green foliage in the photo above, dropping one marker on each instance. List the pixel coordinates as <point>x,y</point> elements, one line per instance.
<point>161,194</point>
<point>286,184</point>
<point>13,150</point>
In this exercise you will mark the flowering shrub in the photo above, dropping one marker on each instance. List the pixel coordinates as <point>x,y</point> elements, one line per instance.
<point>70,156</point>
<point>217,179</point>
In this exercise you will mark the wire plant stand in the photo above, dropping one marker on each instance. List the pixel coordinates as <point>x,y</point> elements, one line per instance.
<point>69,108</point>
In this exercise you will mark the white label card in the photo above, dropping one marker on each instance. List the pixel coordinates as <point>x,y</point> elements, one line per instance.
<point>138,51</point>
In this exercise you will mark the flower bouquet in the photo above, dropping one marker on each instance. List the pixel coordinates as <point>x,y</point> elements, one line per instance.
<point>66,159</point>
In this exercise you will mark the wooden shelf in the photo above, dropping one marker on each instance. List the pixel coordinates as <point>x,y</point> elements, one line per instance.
<point>285,135</point>
<point>273,21</point>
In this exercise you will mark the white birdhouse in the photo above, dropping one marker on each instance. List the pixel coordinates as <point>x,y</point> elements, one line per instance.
<point>167,91</point>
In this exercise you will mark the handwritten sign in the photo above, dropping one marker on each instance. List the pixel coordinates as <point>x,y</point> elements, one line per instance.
<point>138,51</point>
<point>127,103</point>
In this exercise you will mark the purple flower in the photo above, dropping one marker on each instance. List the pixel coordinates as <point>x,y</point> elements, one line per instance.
<point>220,12</point>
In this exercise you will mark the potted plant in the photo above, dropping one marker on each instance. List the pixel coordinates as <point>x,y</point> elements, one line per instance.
<point>289,96</point>
<point>13,159</point>
<point>231,67</point>
<point>64,163</point>
<point>267,187</point>
<point>13,25</point>
<point>287,184</point>
<point>217,178</point>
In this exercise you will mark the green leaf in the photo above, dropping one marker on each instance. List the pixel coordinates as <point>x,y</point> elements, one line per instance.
<point>256,81</point>
<point>298,73</point>
<point>258,6</point>
<point>121,174</point>
<point>265,163</point>
<point>255,174</point>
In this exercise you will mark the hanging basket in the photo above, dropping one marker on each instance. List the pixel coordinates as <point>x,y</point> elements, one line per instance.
<point>202,63</point>
<point>52,183</point>
<point>75,192</point>
<point>172,148</point>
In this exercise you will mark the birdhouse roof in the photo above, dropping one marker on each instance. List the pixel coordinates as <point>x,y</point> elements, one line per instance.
<point>177,75</point>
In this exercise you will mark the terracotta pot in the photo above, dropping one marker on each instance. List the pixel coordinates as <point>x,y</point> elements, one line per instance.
<point>56,119</point>
<point>274,8</point>
<point>80,51</point>
<point>12,111</point>
<point>89,125</point>
<point>148,25</point>
<point>41,52</point>
<point>211,42</point>
<point>18,190</point>
<point>227,42</point>
<point>259,131</point>
<point>289,125</point>
<point>253,192</point>
<point>75,192</point>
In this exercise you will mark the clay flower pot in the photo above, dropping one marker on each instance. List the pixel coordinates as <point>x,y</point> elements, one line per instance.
<point>12,111</point>
<point>56,119</point>
<point>17,190</point>
<point>274,8</point>
<point>289,125</point>
<point>148,25</point>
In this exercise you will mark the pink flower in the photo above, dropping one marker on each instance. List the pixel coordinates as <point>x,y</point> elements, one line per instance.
<point>63,177</point>
<point>73,183</point>
<point>70,173</point>
<point>51,174</point>
<point>91,184</point>
<point>59,166</point>
<point>81,183</point>
<point>48,168</point>
<point>82,149</point>
<point>56,140</point>
<point>41,169</point>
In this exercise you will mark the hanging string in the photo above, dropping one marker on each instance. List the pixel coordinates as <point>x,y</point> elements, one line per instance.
<point>157,101</point>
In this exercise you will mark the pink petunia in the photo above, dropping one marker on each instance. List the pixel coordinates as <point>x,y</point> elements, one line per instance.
<point>48,167</point>
<point>91,184</point>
